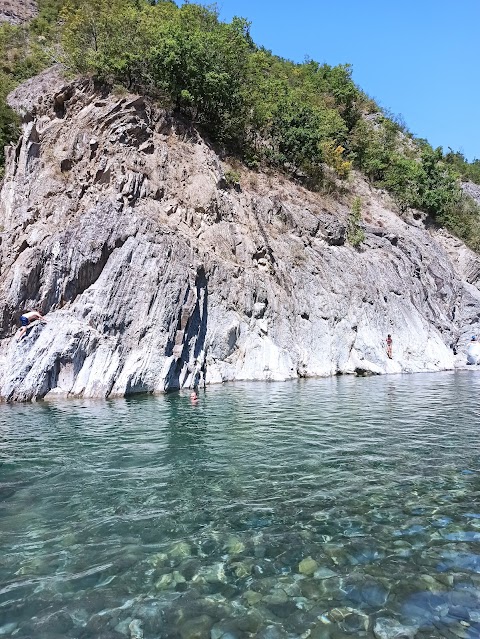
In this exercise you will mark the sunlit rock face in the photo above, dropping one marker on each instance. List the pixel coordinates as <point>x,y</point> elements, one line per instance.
<point>154,273</point>
<point>17,11</point>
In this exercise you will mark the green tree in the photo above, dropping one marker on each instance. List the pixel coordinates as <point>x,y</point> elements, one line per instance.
<point>9,121</point>
<point>403,178</point>
<point>439,191</point>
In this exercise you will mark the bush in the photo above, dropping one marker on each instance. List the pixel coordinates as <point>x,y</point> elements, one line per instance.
<point>9,123</point>
<point>253,104</point>
<point>232,178</point>
<point>355,233</point>
<point>333,156</point>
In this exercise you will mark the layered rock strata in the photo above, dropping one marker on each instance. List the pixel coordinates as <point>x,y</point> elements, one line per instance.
<point>118,223</point>
<point>17,11</point>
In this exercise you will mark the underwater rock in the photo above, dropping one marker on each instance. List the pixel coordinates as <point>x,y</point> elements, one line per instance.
<point>264,568</point>
<point>150,612</point>
<point>307,566</point>
<point>349,620</point>
<point>242,569</point>
<point>264,585</point>
<point>135,628</point>
<point>361,590</point>
<point>180,550</point>
<point>225,630</point>
<point>272,632</point>
<point>309,589</point>
<point>321,631</point>
<point>158,560</point>
<point>324,573</point>
<point>386,628</point>
<point>234,546</point>
<point>189,568</point>
<point>250,621</point>
<point>277,597</point>
<point>292,588</point>
<point>279,603</point>
<point>237,627</point>
<point>430,583</point>
<point>252,598</point>
<point>57,623</point>
<point>214,574</point>
<point>197,628</point>
<point>165,582</point>
<point>300,620</point>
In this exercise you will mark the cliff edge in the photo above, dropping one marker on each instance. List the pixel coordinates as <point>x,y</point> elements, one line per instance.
<point>155,272</point>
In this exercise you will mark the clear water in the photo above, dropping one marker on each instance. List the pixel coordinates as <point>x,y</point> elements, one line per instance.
<point>317,508</point>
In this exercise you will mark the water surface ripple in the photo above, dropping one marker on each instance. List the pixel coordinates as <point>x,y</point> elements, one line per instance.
<point>322,508</point>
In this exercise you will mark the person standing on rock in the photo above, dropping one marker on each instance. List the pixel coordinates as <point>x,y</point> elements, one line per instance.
<point>389,346</point>
<point>26,320</point>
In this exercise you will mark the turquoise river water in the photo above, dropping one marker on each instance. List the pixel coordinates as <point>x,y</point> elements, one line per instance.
<point>333,508</point>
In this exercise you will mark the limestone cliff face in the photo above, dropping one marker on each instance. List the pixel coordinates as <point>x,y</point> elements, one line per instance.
<point>17,11</point>
<point>117,223</point>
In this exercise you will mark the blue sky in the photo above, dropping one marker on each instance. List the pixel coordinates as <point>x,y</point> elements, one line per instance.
<point>418,59</point>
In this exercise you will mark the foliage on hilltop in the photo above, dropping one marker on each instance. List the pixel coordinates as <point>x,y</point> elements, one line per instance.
<point>298,118</point>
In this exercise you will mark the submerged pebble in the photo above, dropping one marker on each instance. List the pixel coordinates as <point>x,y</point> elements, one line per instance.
<point>135,628</point>
<point>386,628</point>
<point>307,566</point>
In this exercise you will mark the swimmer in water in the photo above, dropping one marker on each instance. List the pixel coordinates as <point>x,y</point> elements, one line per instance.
<point>193,397</point>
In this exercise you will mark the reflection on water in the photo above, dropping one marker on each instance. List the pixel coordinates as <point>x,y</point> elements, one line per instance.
<point>322,508</point>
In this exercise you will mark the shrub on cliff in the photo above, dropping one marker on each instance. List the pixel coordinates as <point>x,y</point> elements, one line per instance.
<point>355,232</point>
<point>467,171</point>
<point>9,122</point>
<point>21,56</point>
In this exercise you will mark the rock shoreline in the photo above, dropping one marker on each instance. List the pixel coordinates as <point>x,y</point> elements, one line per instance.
<point>117,222</point>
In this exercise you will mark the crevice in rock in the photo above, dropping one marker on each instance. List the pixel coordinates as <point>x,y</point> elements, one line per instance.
<point>267,249</point>
<point>59,101</point>
<point>89,272</point>
<point>190,335</point>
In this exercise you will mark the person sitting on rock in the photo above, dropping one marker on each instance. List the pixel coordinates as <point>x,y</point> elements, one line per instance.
<point>473,351</point>
<point>26,320</point>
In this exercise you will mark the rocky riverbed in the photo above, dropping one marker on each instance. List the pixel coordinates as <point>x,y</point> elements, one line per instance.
<point>332,508</point>
<point>157,272</point>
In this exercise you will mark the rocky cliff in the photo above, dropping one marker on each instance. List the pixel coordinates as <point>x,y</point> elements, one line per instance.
<point>17,11</point>
<point>154,272</point>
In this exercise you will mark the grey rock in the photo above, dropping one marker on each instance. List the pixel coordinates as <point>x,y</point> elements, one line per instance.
<point>7,629</point>
<point>226,630</point>
<point>272,632</point>
<point>135,628</point>
<point>472,189</point>
<point>154,278</point>
<point>17,11</point>
<point>386,628</point>
<point>197,628</point>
